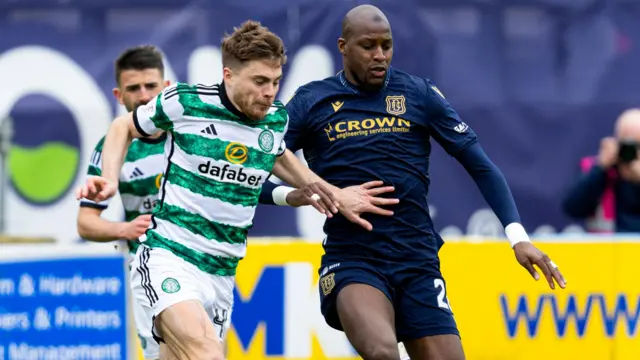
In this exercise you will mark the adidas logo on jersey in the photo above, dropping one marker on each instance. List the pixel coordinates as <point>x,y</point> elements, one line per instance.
<point>211,130</point>
<point>136,172</point>
<point>225,173</point>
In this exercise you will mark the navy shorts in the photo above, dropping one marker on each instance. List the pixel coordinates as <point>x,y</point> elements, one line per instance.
<point>418,294</point>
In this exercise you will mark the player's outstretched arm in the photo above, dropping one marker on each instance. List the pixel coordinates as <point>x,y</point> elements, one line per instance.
<point>92,227</point>
<point>460,141</point>
<point>496,192</point>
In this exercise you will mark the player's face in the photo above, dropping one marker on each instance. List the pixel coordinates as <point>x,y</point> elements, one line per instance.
<point>137,87</point>
<point>368,53</point>
<point>254,87</point>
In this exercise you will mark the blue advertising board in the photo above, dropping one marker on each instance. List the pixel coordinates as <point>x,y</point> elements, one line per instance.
<point>63,308</point>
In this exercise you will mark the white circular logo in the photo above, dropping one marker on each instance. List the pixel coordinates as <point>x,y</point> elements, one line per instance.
<point>266,141</point>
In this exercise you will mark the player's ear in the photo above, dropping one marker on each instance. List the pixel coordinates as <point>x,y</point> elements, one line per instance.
<point>227,74</point>
<point>118,94</point>
<point>342,44</point>
<point>167,83</point>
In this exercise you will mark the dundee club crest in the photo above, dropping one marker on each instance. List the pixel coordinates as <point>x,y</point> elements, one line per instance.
<point>396,105</point>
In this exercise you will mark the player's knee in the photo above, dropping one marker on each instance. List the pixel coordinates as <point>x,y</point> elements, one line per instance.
<point>380,351</point>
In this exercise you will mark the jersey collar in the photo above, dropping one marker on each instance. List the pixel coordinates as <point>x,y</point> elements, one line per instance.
<point>353,88</point>
<point>226,102</point>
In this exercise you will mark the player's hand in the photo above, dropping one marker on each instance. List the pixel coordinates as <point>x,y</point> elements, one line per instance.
<point>528,255</point>
<point>97,189</point>
<point>358,199</point>
<point>135,228</point>
<point>608,155</point>
<point>316,195</point>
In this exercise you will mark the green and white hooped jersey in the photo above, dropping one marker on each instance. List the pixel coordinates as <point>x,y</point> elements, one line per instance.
<point>139,181</point>
<point>217,161</point>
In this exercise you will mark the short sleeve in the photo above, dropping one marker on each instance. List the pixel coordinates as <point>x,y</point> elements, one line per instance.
<point>297,109</point>
<point>161,112</point>
<point>95,169</point>
<point>445,125</point>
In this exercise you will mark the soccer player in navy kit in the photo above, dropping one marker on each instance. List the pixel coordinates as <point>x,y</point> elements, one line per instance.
<point>374,122</point>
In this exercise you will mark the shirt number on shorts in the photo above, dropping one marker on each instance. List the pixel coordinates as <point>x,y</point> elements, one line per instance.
<point>443,302</point>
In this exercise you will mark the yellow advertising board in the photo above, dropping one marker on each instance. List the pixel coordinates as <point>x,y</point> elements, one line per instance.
<point>501,311</point>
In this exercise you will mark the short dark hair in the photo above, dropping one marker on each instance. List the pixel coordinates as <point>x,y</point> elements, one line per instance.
<point>252,41</point>
<point>141,57</point>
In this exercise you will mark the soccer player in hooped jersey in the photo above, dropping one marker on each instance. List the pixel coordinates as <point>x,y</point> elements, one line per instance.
<point>140,77</point>
<point>374,122</point>
<point>223,142</point>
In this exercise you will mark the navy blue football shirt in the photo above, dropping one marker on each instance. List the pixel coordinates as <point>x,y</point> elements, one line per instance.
<point>349,137</point>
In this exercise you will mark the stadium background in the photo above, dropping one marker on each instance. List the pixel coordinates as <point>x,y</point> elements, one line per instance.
<point>539,81</point>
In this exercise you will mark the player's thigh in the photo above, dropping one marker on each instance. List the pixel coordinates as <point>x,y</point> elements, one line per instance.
<point>367,317</point>
<point>424,318</point>
<point>188,332</point>
<point>355,299</point>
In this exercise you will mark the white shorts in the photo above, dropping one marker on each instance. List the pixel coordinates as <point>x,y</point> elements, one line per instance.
<point>143,318</point>
<point>160,279</point>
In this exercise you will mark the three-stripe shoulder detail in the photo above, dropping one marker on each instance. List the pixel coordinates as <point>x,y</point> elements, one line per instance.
<point>198,89</point>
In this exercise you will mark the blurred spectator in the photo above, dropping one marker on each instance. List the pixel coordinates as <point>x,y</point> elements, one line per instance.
<point>607,195</point>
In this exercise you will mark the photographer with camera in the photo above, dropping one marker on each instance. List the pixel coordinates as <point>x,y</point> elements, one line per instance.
<point>607,195</point>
